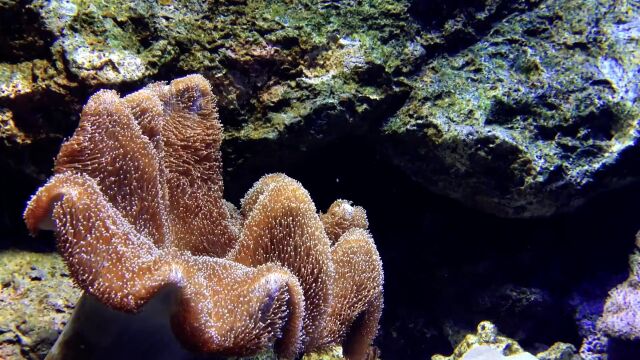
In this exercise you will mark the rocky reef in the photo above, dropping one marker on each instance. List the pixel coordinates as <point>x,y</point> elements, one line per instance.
<point>621,313</point>
<point>36,301</point>
<point>534,116</point>
<point>524,109</point>
<point>539,94</point>
<point>487,344</point>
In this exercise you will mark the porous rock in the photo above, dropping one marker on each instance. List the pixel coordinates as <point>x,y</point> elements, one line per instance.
<point>487,344</point>
<point>534,118</point>
<point>37,297</point>
<point>520,108</point>
<point>289,76</point>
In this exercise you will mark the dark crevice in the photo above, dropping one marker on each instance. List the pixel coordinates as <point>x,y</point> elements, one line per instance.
<point>462,23</point>
<point>446,264</point>
<point>23,35</point>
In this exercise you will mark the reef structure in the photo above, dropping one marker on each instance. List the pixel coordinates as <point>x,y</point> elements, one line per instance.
<point>487,343</point>
<point>137,205</point>
<point>621,313</point>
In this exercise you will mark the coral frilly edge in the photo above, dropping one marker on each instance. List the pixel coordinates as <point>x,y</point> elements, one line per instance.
<point>137,206</point>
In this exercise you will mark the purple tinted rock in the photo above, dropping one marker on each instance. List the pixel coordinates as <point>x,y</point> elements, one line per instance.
<point>594,347</point>
<point>621,315</point>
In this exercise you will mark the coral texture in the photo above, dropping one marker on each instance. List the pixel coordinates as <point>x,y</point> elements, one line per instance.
<point>137,206</point>
<point>621,313</point>
<point>342,216</point>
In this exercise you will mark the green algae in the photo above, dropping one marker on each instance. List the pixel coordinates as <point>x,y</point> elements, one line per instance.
<point>116,41</point>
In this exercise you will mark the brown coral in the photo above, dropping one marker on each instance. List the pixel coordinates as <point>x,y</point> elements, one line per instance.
<point>282,227</point>
<point>342,216</point>
<point>137,206</point>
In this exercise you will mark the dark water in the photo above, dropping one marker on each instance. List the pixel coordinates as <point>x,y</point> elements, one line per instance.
<point>444,262</point>
<point>448,266</point>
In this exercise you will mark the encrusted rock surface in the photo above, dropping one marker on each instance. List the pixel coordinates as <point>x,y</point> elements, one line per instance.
<point>487,344</point>
<point>621,313</point>
<point>274,64</point>
<point>289,76</point>
<point>559,351</point>
<point>461,23</point>
<point>521,108</point>
<point>540,113</point>
<point>36,300</point>
<point>485,341</point>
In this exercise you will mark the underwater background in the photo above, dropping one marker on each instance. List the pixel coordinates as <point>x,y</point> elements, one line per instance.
<point>492,143</point>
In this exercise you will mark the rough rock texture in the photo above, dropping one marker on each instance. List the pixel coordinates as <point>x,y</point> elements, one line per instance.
<point>275,65</point>
<point>621,313</point>
<point>36,300</point>
<point>486,344</point>
<point>290,75</point>
<point>485,337</point>
<point>559,351</point>
<point>522,108</point>
<point>588,303</point>
<point>452,25</point>
<point>540,113</point>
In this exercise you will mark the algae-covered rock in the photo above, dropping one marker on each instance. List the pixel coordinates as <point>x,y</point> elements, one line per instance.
<point>486,344</point>
<point>261,54</point>
<point>521,108</point>
<point>462,22</point>
<point>22,36</point>
<point>531,120</point>
<point>332,353</point>
<point>559,351</point>
<point>8,130</point>
<point>289,76</point>
<point>36,300</point>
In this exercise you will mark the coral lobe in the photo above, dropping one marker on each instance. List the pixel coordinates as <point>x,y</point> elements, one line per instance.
<point>137,204</point>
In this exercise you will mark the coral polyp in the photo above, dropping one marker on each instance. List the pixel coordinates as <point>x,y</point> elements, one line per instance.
<point>137,205</point>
